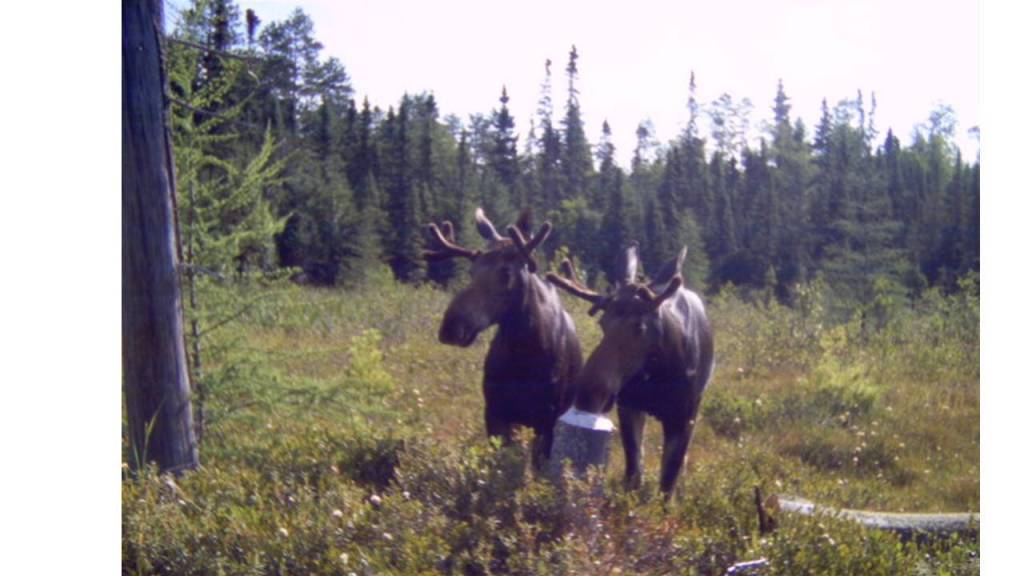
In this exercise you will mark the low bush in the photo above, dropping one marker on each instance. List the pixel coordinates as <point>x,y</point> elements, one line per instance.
<point>343,439</point>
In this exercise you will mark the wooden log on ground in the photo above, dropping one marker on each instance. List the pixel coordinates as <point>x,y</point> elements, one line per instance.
<point>907,525</point>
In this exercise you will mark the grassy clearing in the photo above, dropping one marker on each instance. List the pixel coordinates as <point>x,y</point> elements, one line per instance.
<point>345,439</point>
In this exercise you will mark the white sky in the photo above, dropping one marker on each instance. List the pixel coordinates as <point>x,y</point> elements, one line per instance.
<point>635,62</point>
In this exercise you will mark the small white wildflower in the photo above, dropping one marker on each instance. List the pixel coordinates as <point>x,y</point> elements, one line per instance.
<point>387,536</point>
<point>375,500</point>
<point>344,558</point>
<point>283,532</point>
<point>336,513</point>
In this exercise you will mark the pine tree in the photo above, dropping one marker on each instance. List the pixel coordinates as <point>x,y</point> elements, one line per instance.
<point>610,199</point>
<point>503,157</point>
<point>578,165</point>
<point>669,208</point>
<point>404,241</point>
<point>697,191</point>
<point>723,231</point>
<point>791,175</point>
<point>606,169</point>
<point>549,159</point>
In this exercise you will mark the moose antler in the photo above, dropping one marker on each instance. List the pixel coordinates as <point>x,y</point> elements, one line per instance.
<point>654,301</point>
<point>449,249</point>
<point>527,247</point>
<point>572,285</point>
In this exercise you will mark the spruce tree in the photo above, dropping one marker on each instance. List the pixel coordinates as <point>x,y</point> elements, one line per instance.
<point>404,236</point>
<point>503,157</point>
<point>791,175</point>
<point>616,228</point>
<point>577,165</point>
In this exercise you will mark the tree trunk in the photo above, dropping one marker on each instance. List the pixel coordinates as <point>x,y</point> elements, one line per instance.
<point>154,365</point>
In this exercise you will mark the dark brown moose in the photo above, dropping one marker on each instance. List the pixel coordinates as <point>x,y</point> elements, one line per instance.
<point>535,356</point>
<point>656,357</point>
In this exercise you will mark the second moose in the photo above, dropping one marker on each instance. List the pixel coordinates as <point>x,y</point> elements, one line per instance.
<point>656,357</point>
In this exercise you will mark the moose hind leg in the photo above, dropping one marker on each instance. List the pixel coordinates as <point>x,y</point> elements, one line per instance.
<point>632,423</point>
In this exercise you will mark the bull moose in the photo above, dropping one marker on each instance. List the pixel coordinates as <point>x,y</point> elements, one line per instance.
<point>656,357</point>
<point>530,369</point>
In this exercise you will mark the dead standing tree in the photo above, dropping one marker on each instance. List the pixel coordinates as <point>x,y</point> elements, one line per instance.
<point>155,369</point>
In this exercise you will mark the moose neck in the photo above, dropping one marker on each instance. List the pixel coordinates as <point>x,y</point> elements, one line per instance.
<point>529,317</point>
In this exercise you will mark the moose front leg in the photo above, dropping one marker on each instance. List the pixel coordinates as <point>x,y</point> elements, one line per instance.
<point>676,444</point>
<point>497,426</point>
<point>632,423</point>
<point>543,438</point>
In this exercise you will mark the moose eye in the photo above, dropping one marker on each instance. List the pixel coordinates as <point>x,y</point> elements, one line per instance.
<point>640,328</point>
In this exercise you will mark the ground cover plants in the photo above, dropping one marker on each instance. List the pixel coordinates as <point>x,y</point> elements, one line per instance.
<point>343,439</point>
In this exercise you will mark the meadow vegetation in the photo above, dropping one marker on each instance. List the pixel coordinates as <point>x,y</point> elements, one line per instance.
<point>342,438</point>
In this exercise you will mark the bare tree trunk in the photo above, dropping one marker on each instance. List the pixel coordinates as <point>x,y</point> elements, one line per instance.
<point>155,369</point>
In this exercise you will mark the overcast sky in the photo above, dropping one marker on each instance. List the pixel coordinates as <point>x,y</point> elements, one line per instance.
<point>635,61</point>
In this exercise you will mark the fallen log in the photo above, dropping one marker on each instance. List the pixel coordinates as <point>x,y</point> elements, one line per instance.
<point>907,525</point>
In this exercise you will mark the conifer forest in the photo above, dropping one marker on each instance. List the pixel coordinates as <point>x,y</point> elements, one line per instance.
<point>279,166</point>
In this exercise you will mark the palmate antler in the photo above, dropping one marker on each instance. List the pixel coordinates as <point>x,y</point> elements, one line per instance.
<point>445,237</point>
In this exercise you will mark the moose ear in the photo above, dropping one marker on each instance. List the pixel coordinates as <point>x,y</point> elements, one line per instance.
<point>485,228</point>
<point>525,221</point>
<point>626,266</point>
<point>671,267</point>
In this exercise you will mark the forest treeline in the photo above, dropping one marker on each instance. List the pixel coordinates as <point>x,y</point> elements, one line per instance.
<point>279,167</point>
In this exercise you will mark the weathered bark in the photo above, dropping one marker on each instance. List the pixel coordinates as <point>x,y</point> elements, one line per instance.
<point>155,369</point>
<point>906,525</point>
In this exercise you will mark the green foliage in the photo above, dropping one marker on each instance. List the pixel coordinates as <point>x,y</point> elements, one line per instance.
<point>731,415</point>
<point>841,388</point>
<point>343,438</point>
<point>356,186</point>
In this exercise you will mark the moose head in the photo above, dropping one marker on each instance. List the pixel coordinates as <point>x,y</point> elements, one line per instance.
<point>633,326</point>
<point>498,275</point>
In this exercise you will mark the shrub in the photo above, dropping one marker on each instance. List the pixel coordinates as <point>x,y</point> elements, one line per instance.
<point>349,441</point>
<point>731,415</point>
